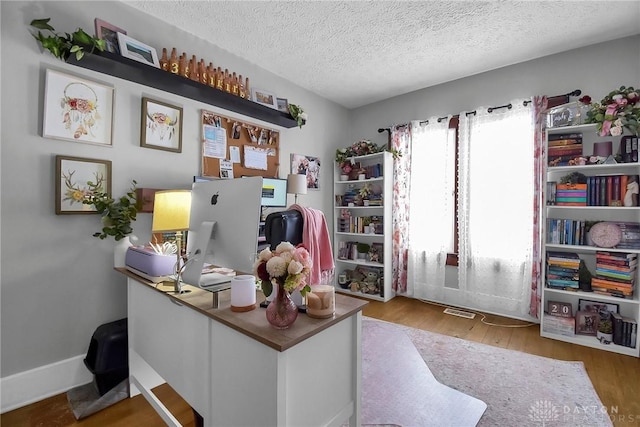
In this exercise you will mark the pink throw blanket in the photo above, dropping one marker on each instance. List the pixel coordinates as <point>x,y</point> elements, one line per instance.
<point>315,237</point>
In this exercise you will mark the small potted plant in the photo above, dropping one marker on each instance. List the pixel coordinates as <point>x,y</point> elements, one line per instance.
<point>363,250</point>
<point>605,330</point>
<point>62,45</point>
<point>117,216</point>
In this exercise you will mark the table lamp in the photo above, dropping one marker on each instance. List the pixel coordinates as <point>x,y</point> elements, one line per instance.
<point>171,211</point>
<point>296,184</point>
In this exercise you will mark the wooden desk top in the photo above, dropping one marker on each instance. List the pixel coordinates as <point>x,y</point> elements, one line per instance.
<point>254,323</point>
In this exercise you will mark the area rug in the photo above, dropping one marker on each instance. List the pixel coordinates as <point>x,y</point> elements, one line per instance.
<point>519,389</point>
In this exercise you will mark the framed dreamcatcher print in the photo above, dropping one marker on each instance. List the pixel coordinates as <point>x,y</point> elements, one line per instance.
<point>77,109</point>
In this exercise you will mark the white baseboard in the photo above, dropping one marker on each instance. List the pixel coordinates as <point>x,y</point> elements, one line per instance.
<point>36,384</point>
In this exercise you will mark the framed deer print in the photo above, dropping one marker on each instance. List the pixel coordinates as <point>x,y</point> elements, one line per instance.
<point>77,178</point>
<point>161,126</point>
<point>77,109</point>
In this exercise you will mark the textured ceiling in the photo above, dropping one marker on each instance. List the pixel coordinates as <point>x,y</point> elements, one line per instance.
<point>359,52</point>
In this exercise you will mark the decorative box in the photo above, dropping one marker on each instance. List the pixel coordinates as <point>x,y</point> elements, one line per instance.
<point>559,325</point>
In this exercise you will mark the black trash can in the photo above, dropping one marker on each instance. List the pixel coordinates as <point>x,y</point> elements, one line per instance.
<point>107,357</point>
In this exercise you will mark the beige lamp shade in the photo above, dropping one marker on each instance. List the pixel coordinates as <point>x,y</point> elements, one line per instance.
<point>296,184</point>
<point>171,210</point>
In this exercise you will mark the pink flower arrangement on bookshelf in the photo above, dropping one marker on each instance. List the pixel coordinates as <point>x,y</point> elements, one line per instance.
<point>617,111</point>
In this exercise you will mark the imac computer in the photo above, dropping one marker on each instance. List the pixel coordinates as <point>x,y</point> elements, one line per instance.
<point>223,230</point>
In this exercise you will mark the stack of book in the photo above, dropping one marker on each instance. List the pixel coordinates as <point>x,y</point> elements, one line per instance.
<point>563,148</point>
<point>615,274</point>
<point>571,194</point>
<point>630,235</point>
<point>375,200</point>
<point>625,330</point>
<point>562,270</point>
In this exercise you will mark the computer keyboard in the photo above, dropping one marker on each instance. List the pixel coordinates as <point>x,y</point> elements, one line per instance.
<point>215,281</point>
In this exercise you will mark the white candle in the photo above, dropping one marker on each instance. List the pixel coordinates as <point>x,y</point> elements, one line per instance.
<point>243,293</point>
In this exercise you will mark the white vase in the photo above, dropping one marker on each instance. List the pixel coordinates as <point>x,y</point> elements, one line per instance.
<point>120,251</point>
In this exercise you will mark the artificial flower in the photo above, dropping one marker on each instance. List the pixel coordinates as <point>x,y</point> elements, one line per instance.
<point>287,266</point>
<point>617,111</point>
<point>298,114</point>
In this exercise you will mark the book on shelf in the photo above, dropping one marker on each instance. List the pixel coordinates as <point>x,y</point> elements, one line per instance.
<point>629,148</point>
<point>617,256</point>
<point>629,332</point>
<point>616,319</point>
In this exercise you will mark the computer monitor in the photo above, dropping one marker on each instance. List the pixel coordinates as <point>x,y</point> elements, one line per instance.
<point>274,192</point>
<point>223,229</point>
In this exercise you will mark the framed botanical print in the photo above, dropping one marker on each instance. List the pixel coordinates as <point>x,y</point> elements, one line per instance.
<point>161,126</point>
<point>78,177</point>
<point>77,109</point>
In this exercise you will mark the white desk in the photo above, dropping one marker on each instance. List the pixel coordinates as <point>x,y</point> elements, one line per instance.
<point>235,369</point>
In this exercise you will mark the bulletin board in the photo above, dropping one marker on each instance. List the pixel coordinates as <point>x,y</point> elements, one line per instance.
<point>234,148</point>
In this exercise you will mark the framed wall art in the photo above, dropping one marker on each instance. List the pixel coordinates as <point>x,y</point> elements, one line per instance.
<point>77,109</point>
<point>77,177</point>
<point>138,51</point>
<point>108,33</point>
<point>265,98</point>
<point>161,126</point>
<point>309,166</point>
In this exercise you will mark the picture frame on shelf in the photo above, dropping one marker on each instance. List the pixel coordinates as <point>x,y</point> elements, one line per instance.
<point>263,97</point>
<point>283,105</point>
<point>77,109</point>
<point>75,178</point>
<point>138,51</point>
<point>161,126</point>
<point>309,166</point>
<point>597,306</point>
<point>587,323</point>
<point>109,33</point>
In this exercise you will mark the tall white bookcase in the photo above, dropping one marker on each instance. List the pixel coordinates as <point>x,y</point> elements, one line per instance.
<point>348,226</point>
<point>627,307</point>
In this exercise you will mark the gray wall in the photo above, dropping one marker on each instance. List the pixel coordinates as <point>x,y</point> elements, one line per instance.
<point>58,282</point>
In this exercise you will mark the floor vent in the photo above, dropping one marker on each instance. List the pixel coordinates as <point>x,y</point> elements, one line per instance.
<point>459,313</point>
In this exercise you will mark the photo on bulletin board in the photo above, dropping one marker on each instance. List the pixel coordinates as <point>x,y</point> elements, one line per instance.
<point>309,166</point>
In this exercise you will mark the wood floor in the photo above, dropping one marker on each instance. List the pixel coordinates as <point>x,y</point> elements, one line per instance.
<point>615,377</point>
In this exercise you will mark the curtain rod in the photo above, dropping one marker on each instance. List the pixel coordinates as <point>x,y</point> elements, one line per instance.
<point>575,92</point>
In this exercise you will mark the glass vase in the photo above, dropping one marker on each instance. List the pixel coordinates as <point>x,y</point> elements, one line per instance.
<point>282,311</point>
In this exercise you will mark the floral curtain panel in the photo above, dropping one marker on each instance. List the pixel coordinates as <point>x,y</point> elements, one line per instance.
<point>400,140</point>
<point>539,147</point>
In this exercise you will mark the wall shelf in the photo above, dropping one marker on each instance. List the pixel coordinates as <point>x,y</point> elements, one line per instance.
<point>127,69</point>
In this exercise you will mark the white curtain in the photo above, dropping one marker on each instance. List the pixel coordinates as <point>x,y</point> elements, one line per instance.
<point>431,207</point>
<point>495,209</point>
